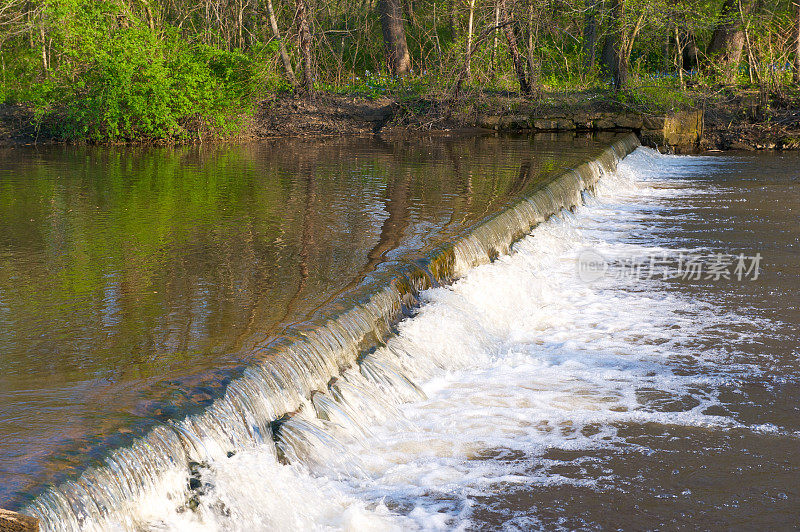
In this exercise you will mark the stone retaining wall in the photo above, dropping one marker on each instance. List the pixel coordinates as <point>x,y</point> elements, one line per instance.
<point>679,132</point>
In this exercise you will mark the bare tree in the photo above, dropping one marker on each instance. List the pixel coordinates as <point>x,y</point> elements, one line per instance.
<point>462,75</point>
<point>618,45</point>
<point>287,64</point>
<point>797,42</point>
<point>496,23</point>
<point>513,47</point>
<point>611,54</point>
<point>470,28</point>
<point>453,15</point>
<point>727,41</point>
<point>305,47</point>
<point>590,34</point>
<point>394,36</point>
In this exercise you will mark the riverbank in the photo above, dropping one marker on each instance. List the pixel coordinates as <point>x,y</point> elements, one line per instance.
<point>734,121</point>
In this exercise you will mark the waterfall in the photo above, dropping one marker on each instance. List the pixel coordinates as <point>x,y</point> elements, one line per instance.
<point>340,371</point>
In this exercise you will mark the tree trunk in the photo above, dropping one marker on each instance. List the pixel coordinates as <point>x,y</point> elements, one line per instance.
<point>287,64</point>
<point>618,45</point>
<point>305,47</point>
<point>462,75</point>
<point>608,55</point>
<point>590,34</point>
<point>727,41</point>
<point>513,47</point>
<point>151,22</point>
<point>394,36</point>
<point>240,25</point>
<point>410,12</point>
<point>797,44</point>
<point>44,48</point>
<point>614,56</point>
<point>470,28</point>
<point>453,19</point>
<point>533,38</point>
<point>690,52</point>
<point>622,74</point>
<point>679,65</point>
<point>496,23</point>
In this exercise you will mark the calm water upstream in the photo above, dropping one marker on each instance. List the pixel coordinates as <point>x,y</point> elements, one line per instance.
<point>135,285</point>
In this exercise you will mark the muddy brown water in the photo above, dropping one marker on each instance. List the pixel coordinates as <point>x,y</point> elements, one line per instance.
<point>666,475</point>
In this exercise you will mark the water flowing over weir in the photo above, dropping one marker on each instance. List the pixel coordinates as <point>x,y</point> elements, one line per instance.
<point>322,371</point>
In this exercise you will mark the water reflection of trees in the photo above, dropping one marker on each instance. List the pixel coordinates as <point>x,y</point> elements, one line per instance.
<point>146,273</point>
<point>142,254</point>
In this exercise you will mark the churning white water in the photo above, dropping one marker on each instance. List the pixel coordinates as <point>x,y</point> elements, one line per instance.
<point>517,358</point>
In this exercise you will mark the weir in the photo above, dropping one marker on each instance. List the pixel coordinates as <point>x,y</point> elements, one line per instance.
<point>316,371</point>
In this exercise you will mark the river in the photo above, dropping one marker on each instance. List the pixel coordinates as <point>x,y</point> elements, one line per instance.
<point>630,363</point>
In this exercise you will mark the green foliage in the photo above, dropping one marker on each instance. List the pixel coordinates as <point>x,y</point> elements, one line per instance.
<point>136,85</point>
<point>657,96</point>
<point>116,70</point>
<point>116,79</point>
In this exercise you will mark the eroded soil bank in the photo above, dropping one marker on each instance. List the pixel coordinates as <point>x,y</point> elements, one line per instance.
<point>740,122</point>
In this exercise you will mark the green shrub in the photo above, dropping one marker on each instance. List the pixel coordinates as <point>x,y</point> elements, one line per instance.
<point>117,79</point>
<point>136,85</point>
